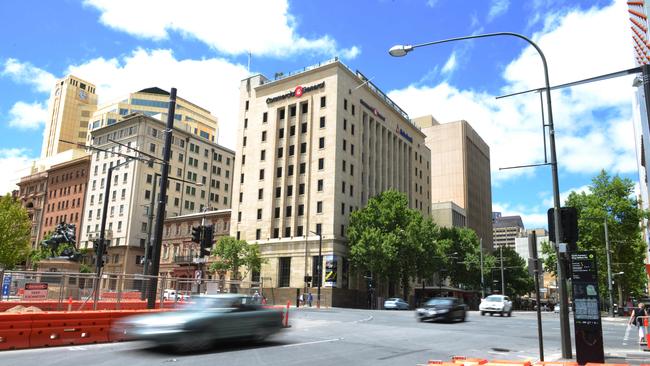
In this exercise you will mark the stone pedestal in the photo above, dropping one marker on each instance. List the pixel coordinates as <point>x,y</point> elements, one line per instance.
<point>58,265</point>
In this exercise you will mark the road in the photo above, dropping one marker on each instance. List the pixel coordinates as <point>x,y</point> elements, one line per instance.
<point>336,337</point>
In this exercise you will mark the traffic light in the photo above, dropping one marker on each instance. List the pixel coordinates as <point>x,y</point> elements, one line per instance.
<point>100,252</point>
<point>208,240</point>
<point>569,225</point>
<point>196,234</point>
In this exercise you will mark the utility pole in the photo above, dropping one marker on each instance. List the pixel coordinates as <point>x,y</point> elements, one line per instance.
<point>609,271</point>
<point>160,217</point>
<point>503,283</point>
<point>482,282</point>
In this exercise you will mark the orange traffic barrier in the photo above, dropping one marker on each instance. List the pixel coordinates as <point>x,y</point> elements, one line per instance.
<point>606,364</point>
<point>15,330</point>
<point>468,361</point>
<point>555,363</point>
<point>507,363</point>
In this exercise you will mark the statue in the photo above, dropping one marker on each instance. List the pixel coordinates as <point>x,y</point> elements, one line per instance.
<point>63,234</point>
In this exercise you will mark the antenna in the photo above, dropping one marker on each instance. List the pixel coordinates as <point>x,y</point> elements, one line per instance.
<point>364,83</point>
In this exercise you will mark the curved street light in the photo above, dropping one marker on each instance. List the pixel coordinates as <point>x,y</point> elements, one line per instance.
<point>403,50</point>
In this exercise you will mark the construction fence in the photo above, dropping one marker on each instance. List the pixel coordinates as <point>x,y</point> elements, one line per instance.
<point>65,291</point>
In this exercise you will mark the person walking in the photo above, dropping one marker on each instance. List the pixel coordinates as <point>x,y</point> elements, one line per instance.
<point>310,298</point>
<point>635,319</point>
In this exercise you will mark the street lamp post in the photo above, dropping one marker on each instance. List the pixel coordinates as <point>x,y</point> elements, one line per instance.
<point>319,266</point>
<point>402,50</point>
<point>609,265</point>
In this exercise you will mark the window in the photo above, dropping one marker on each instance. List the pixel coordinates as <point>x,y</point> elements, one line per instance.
<point>287,231</point>
<point>241,178</point>
<point>278,192</point>
<point>278,172</point>
<point>321,164</point>
<point>288,211</point>
<point>239,216</point>
<point>284,265</point>
<point>303,148</point>
<point>342,187</point>
<point>303,127</point>
<point>289,190</point>
<point>352,169</point>
<point>281,133</point>
<point>304,108</point>
<point>258,234</point>
<point>263,155</point>
<point>263,136</point>
<point>321,143</point>
<point>276,233</point>
<point>152,148</point>
<point>259,213</point>
<point>292,111</point>
<point>247,104</point>
<point>351,190</point>
<point>245,122</point>
<point>344,165</point>
<point>319,185</point>
<point>276,213</point>
<point>282,113</point>
<point>244,141</point>
<point>265,117</point>
<point>292,130</point>
<point>290,170</point>
<point>323,102</point>
<point>319,207</point>
<point>261,174</point>
<point>345,104</point>
<point>241,197</point>
<point>352,128</point>
<point>352,149</point>
<point>147,194</point>
<point>343,226</point>
<point>301,188</point>
<point>292,150</point>
<point>280,151</point>
<point>322,122</point>
<point>301,210</point>
<point>345,124</point>
<point>299,231</point>
<point>342,208</point>
<point>260,193</point>
<point>302,168</point>
<point>345,145</point>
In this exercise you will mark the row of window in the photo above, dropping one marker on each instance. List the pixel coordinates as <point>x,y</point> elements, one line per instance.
<point>54,220</point>
<point>68,176</point>
<point>63,205</point>
<point>64,191</point>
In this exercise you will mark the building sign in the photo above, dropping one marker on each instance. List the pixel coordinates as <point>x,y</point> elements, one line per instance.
<point>404,134</point>
<point>331,271</point>
<point>35,292</point>
<point>298,92</point>
<point>6,285</point>
<point>373,109</point>
<point>588,328</point>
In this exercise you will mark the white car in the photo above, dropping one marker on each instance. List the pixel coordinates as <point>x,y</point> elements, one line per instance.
<point>498,304</point>
<point>395,303</point>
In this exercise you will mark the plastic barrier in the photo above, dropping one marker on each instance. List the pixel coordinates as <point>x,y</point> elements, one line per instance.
<point>468,361</point>
<point>606,364</point>
<point>507,363</point>
<point>57,329</point>
<point>15,330</point>
<point>76,304</point>
<point>555,363</point>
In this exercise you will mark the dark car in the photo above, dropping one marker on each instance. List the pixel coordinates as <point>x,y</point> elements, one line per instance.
<point>442,308</point>
<point>204,320</point>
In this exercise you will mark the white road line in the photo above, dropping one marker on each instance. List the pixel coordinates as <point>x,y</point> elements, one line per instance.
<point>364,320</point>
<point>313,342</point>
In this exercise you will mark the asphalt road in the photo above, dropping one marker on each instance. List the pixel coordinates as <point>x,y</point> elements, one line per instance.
<point>336,337</point>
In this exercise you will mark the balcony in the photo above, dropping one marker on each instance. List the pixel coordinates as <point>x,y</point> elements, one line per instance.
<point>184,259</point>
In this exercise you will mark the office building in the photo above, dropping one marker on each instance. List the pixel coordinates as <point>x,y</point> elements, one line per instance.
<point>448,214</point>
<point>460,171</point>
<point>200,177</point>
<point>312,147</point>
<point>506,229</point>
<point>66,193</point>
<point>71,104</point>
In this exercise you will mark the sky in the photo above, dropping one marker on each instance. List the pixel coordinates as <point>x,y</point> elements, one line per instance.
<point>202,48</point>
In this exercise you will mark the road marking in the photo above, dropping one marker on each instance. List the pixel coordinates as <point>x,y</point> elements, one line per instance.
<point>77,348</point>
<point>364,320</point>
<point>313,342</point>
<point>403,354</point>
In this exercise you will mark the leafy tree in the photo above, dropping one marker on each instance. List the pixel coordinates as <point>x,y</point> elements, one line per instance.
<point>392,241</point>
<point>462,257</point>
<point>230,255</point>
<point>612,199</point>
<point>518,281</point>
<point>15,227</point>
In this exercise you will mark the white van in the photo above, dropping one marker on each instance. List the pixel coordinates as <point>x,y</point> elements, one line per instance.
<point>169,294</point>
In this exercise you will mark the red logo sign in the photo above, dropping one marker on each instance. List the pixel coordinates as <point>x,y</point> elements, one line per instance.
<point>298,91</point>
<point>36,286</point>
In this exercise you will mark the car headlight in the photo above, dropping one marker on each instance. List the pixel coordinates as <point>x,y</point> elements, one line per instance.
<point>442,311</point>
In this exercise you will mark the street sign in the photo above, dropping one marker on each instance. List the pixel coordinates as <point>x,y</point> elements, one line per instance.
<point>197,274</point>
<point>6,285</point>
<point>587,323</point>
<point>35,292</point>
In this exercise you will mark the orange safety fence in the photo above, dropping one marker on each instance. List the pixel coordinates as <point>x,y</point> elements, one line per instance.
<point>467,361</point>
<point>76,304</point>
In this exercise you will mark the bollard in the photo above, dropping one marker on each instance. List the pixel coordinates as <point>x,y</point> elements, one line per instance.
<point>286,315</point>
<point>70,303</point>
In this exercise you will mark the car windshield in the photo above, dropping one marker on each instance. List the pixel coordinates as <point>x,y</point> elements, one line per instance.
<point>202,303</point>
<point>494,298</point>
<point>392,299</point>
<point>434,302</point>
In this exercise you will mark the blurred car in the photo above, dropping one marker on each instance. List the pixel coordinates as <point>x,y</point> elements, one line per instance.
<point>442,308</point>
<point>395,303</point>
<point>496,304</point>
<point>203,321</point>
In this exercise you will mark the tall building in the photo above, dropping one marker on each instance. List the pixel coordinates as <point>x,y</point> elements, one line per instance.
<point>72,102</point>
<point>66,193</point>
<point>506,229</point>
<point>153,101</point>
<point>313,147</point>
<point>639,11</point>
<point>460,171</point>
<point>448,214</point>
<point>32,194</point>
<point>200,177</point>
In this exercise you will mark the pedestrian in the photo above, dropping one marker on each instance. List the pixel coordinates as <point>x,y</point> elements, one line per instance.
<point>301,300</point>
<point>256,297</point>
<point>310,298</point>
<point>263,300</point>
<point>635,319</point>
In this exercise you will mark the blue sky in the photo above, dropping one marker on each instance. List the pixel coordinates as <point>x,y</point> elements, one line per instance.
<point>202,49</point>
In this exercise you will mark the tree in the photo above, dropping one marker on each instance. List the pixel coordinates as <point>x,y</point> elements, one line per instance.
<point>15,227</point>
<point>230,255</point>
<point>612,199</point>
<point>518,280</point>
<point>392,241</point>
<point>462,257</point>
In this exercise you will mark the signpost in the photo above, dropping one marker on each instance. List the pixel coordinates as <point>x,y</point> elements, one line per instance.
<point>35,292</point>
<point>588,326</point>
<point>6,286</point>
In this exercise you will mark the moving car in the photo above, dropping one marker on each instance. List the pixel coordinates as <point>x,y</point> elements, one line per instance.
<point>204,320</point>
<point>496,304</point>
<point>442,308</point>
<point>395,303</point>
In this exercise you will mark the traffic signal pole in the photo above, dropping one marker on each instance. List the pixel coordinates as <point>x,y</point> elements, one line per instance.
<point>160,214</point>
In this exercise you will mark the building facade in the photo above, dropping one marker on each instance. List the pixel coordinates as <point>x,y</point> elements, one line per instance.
<point>460,172</point>
<point>313,147</point>
<point>66,194</point>
<point>155,101</point>
<point>200,177</point>
<point>179,253</point>
<point>506,230</point>
<point>448,214</point>
<point>32,194</point>
<point>71,104</point>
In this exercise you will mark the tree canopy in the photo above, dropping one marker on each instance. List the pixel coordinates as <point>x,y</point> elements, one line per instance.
<point>15,227</point>
<point>230,255</point>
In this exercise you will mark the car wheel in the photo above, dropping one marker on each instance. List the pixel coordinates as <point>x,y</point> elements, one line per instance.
<point>462,319</point>
<point>482,313</point>
<point>501,314</point>
<point>491,314</point>
<point>510,313</point>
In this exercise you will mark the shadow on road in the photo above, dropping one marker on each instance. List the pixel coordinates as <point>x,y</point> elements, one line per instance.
<point>220,347</point>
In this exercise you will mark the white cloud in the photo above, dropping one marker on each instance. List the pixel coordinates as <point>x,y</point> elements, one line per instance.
<point>593,121</point>
<point>532,218</point>
<point>13,163</point>
<point>210,83</point>
<point>27,115</point>
<point>26,73</point>
<point>432,3</point>
<point>450,65</point>
<point>548,201</point>
<point>263,27</point>
<point>497,8</point>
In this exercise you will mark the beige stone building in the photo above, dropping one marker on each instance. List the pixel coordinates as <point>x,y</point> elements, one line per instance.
<point>72,102</point>
<point>32,195</point>
<point>460,172</point>
<point>506,230</point>
<point>200,176</point>
<point>312,147</point>
<point>448,214</point>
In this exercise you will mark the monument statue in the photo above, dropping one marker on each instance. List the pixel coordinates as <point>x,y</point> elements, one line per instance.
<point>63,234</point>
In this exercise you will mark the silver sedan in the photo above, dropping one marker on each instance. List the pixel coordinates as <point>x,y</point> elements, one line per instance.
<point>395,303</point>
